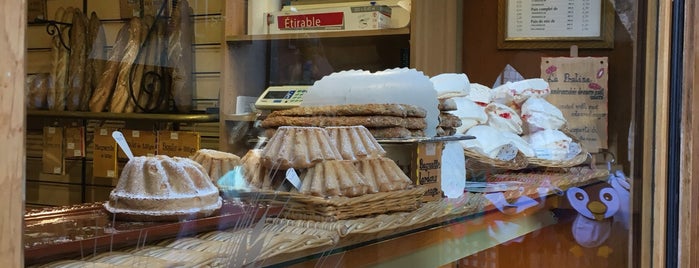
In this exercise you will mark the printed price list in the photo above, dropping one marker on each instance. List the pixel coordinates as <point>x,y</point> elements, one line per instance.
<point>553,18</point>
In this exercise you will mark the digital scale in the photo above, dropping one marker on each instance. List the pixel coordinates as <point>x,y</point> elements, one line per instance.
<point>281,97</point>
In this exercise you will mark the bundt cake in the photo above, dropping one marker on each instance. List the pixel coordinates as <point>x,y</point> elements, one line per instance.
<point>163,188</point>
<point>333,178</point>
<point>216,163</point>
<point>355,142</point>
<point>298,147</point>
<point>383,175</point>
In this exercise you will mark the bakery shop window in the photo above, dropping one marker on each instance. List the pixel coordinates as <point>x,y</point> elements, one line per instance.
<point>207,133</point>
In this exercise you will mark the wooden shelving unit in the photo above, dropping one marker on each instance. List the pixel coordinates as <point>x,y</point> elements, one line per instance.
<point>315,35</point>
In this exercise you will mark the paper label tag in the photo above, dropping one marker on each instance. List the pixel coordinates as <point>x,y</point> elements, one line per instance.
<point>52,130</point>
<point>77,153</point>
<point>110,173</point>
<point>150,155</point>
<point>103,132</point>
<point>293,178</point>
<point>430,148</point>
<point>135,133</point>
<point>70,146</point>
<point>507,152</point>
<point>174,136</point>
<point>57,170</point>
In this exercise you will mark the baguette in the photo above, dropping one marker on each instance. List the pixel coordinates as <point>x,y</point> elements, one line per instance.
<point>122,90</point>
<point>180,57</point>
<point>96,41</point>
<point>77,60</point>
<point>105,87</point>
<point>59,71</point>
<point>151,99</point>
<point>136,75</point>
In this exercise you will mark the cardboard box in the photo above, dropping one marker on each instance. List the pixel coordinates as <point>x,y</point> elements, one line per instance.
<point>74,142</point>
<point>142,143</point>
<point>331,19</point>
<point>429,169</point>
<point>52,161</point>
<point>104,156</point>
<point>178,143</point>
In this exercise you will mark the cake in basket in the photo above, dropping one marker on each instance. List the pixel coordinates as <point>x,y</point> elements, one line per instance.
<point>163,188</point>
<point>216,163</point>
<point>298,147</point>
<point>355,143</point>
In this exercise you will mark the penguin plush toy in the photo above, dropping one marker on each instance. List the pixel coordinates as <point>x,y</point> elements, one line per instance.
<point>596,206</point>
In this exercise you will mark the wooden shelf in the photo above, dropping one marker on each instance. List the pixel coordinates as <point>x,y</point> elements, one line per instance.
<point>312,35</point>
<point>191,118</point>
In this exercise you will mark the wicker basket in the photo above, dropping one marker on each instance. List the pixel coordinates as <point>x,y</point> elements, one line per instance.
<point>577,160</point>
<point>477,161</point>
<point>307,207</point>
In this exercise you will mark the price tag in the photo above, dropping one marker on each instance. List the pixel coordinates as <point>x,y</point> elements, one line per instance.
<point>111,173</point>
<point>174,136</point>
<point>57,170</point>
<point>77,153</point>
<point>70,146</point>
<point>135,133</point>
<point>293,178</point>
<point>52,130</point>
<point>103,132</point>
<point>430,148</point>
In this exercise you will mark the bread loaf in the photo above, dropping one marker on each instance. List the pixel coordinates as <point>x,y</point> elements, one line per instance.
<point>122,89</point>
<point>36,88</point>
<point>105,88</point>
<point>151,98</point>
<point>180,56</point>
<point>136,75</point>
<point>77,60</point>
<point>96,58</point>
<point>59,70</point>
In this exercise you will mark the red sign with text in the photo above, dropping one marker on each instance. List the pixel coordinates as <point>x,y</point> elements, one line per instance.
<point>311,21</point>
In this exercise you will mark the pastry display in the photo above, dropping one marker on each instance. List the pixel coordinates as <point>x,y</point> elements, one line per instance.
<point>163,188</point>
<point>333,178</point>
<point>515,93</point>
<point>383,175</point>
<point>539,114</point>
<point>503,118</point>
<point>480,94</point>
<point>298,147</point>
<point>552,144</point>
<point>254,172</point>
<point>355,143</point>
<point>469,113</point>
<point>216,163</point>
<point>490,142</point>
<point>116,259</point>
<point>449,85</point>
<point>447,105</point>
<point>447,122</point>
<point>382,120</point>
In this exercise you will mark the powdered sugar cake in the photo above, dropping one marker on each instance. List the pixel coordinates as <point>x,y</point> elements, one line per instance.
<point>163,188</point>
<point>298,147</point>
<point>383,175</point>
<point>216,163</point>
<point>333,178</point>
<point>355,142</point>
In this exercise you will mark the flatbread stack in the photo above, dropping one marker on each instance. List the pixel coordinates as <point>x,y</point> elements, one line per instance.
<point>384,121</point>
<point>447,121</point>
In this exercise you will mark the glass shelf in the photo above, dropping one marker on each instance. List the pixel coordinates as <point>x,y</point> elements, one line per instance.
<point>191,118</point>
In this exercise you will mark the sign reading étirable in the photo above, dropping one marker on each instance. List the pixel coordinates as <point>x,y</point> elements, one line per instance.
<point>579,90</point>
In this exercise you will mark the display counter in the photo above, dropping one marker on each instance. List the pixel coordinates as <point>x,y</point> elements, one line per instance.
<point>435,234</point>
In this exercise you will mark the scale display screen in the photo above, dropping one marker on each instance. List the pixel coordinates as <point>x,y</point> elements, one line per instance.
<point>277,95</point>
<point>281,97</point>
